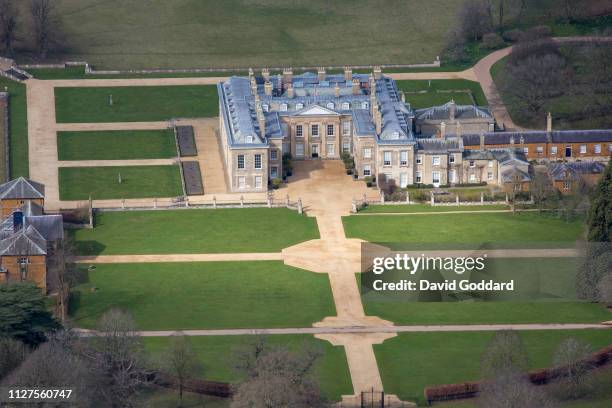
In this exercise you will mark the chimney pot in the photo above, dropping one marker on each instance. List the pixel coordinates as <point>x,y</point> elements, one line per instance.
<point>356,87</point>
<point>321,73</point>
<point>288,75</point>
<point>549,122</point>
<point>377,72</point>
<point>265,73</point>
<point>348,73</point>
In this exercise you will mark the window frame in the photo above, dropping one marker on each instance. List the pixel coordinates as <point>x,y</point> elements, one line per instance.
<point>404,161</point>
<point>333,131</point>
<point>387,163</point>
<point>299,131</point>
<point>239,158</point>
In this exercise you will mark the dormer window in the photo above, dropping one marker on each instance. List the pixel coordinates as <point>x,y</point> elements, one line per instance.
<point>283,107</point>
<point>299,106</point>
<point>346,106</point>
<point>265,107</point>
<point>365,105</point>
<point>330,105</point>
<point>249,139</point>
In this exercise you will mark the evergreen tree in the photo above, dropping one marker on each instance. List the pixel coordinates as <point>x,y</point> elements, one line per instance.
<point>600,214</point>
<point>23,314</point>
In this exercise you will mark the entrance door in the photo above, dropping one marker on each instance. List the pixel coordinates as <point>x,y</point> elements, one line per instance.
<point>568,151</point>
<point>315,150</point>
<point>331,150</point>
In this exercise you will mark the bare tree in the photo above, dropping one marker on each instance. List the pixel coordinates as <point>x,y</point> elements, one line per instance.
<point>276,377</point>
<point>181,361</point>
<point>46,29</point>
<point>116,354</point>
<point>474,19</point>
<point>505,353</point>
<point>570,7</point>
<point>62,273</point>
<point>571,358</point>
<point>513,390</point>
<point>9,14</point>
<point>541,188</point>
<point>455,46</point>
<point>12,354</point>
<point>605,290</point>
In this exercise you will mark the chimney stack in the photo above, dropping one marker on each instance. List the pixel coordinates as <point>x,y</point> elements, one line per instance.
<point>268,88</point>
<point>253,85</point>
<point>265,73</point>
<point>337,90</point>
<point>17,220</point>
<point>403,96</point>
<point>290,92</point>
<point>288,75</point>
<point>482,141</point>
<point>452,110</point>
<point>321,73</point>
<point>458,131</point>
<point>356,87</point>
<point>377,72</point>
<point>549,122</point>
<point>378,120</point>
<point>251,73</point>
<point>348,74</point>
<point>442,130</point>
<point>372,84</point>
<point>261,119</point>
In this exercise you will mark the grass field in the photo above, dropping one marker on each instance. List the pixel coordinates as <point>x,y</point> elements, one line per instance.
<point>78,183</point>
<point>116,145</point>
<point>159,397</point>
<point>217,355</point>
<point>206,295</point>
<point>464,228</point>
<point>412,361</point>
<point>424,94</point>
<point>415,208</point>
<point>196,231</point>
<point>18,118</point>
<point>135,103</point>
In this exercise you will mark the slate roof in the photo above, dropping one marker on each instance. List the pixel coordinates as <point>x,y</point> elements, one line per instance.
<point>556,136</point>
<point>565,171</point>
<point>238,106</point>
<point>442,112</point>
<point>27,241</point>
<point>50,227</point>
<point>504,156</point>
<point>509,176</point>
<point>22,188</point>
<point>440,145</point>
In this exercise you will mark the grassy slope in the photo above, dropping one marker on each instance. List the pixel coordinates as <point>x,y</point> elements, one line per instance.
<point>412,361</point>
<point>463,228</point>
<point>423,94</point>
<point>544,293</point>
<point>196,231</point>
<point>116,145</point>
<point>135,104</point>
<point>18,127</point>
<point>413,208</point>
<point>78,183</point>
<point>207,295</point>
<point>217,353</point>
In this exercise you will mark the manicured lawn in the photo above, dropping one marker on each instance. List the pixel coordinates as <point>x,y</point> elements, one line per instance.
<point>205,295</point>
<point>18,116</point>
<point>196,231</point>
<point>412,361</point>
<point>163,398</point>
<point>217,354</point>
<point>78,183</point>
<point>415,208</point>
<point>116,145</point>
<point>135,103</point>
<point>424,93</point>
<point>464,229</point>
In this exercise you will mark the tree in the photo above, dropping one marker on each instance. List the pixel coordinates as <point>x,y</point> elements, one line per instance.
<point>277,377</point>
<point>571,359</point>
<point>46,29</point>
<point>62,273</point>
<point>12,354</point>
<point>9,14</point>
<point>474,20</point>
<point>599,221</point>
<point>54,365</point>
<point>181,361</point>
<point>23,315</point>
<point>604,289</point>
<point>116,356</point>
<point>455,46</point>
<point>513,390</point>
<point>541,188</point>
<point>504,353</point>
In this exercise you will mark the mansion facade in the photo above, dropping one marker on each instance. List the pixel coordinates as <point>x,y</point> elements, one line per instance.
<point>323,116</point>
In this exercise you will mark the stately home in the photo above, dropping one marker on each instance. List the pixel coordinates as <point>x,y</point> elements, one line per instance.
<point>322,116</point>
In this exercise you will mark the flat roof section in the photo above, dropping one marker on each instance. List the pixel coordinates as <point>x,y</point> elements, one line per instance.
<point>193,178</point>
<point>186,141</point>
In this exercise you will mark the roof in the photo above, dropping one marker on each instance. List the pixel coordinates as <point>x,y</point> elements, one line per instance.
<point>50,227</point>
<point>565,171</point>
<point>557,136</point>
<point>443,112</point>
<point>504,156</point>
<point>27,241</point>
<point>22,188</point>
<point>440,145</point>
<point>511,175</point>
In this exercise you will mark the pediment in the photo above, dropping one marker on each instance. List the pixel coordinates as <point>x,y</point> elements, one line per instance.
<point>315,110</point>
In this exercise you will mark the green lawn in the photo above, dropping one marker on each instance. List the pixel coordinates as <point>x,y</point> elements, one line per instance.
<point>415,208</point>
<point>135,103</point>
<point>464,229</point>
<point>18,117</point>
<point>116,145</point>
<point>424,93</point>
<point>544,292</point>
<point>205,295</point>
<point>159,397</point>
<point>412,361</point>
<point>217,355</point>
<point>196,231</point>
<point>78,183</point>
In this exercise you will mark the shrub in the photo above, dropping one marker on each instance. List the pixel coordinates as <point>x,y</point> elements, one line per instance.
<point>513,35</point>
<point>369,181</point>
<point>276,182</point>
<point>492,41</point>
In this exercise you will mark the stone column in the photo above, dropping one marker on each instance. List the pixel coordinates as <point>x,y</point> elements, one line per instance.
<point>481,197</point>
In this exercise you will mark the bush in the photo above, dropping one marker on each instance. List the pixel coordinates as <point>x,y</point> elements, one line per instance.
<point>369,181</point>
<point>276,182</point>
<point>396,196</point>
<point>492,41</point>
<point>419,196</point>
<point>513,35</point>
<point>537,32</point>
